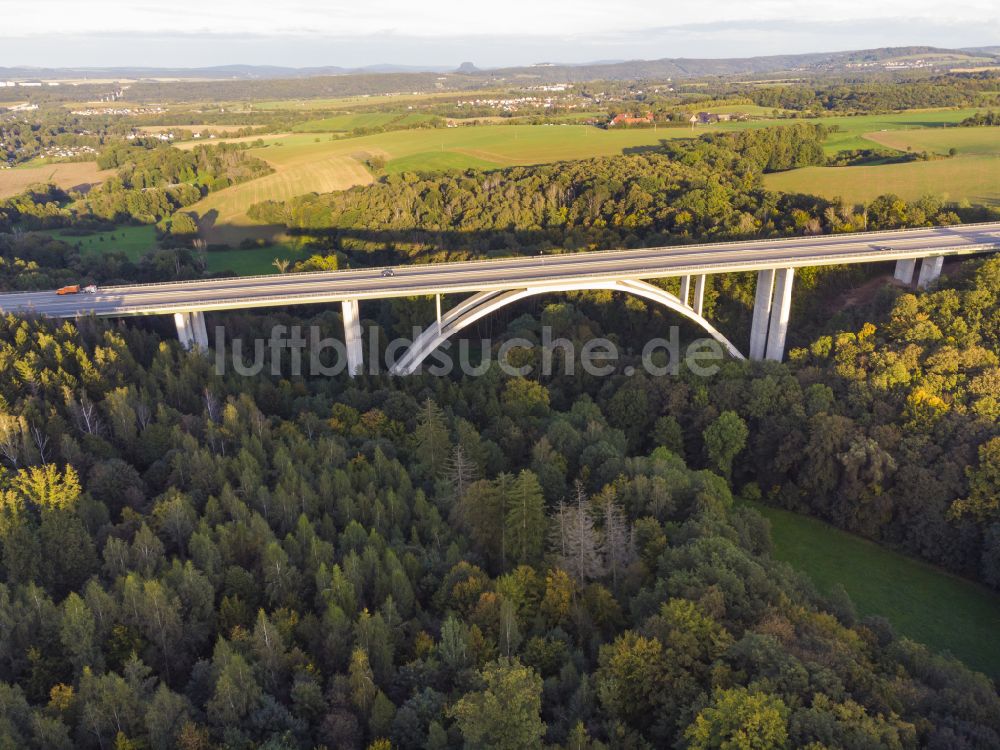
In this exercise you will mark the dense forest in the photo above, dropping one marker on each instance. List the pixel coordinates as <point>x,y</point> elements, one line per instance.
<point>193,560</point>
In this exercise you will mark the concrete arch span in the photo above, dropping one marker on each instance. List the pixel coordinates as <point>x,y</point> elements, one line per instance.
<point>482,304</point>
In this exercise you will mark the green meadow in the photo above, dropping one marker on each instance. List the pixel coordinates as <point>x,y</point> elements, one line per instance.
<point>133,241</point>
<point>349,122</point>
<point>972,178</point>
<point>924,603</point>
<point>852,130</point>
<point>256,261</point>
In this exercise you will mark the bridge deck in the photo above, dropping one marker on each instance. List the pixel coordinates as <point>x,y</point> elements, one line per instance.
<point>557,271</point>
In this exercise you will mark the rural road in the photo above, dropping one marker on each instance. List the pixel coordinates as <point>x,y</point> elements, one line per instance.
<point>509,273</point>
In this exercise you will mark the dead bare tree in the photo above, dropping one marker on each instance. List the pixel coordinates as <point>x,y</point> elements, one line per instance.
<point>85,415</point>
<point>460,471</point>
<point>577,539</point>
<point>41,442</point>
<point>211,405</point>
<point>617,544</point>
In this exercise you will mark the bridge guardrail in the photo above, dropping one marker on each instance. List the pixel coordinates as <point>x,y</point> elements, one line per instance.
<point>474,261</point>
<point>639,273</point>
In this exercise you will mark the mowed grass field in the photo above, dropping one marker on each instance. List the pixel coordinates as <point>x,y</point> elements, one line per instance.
<point>348,122</point>
<point>69,176</point>
<point>945,612</point>
<point>976,179</point>
<point>133,241</point>
<point>973,174</point>
<point>853,131</point>
<point>975,141</point>
<point>257,261</point>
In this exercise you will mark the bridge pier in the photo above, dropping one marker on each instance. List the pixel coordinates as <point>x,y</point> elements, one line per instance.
<point>930,271</point>
<point>698,304</point>
<point>191,330</point>
<point>761,314</point>
<point>904,271</point>
<point>685,294</point>
<point>197,319</point>
<point>771,314</point>
<point>781,310</point>
<point>184,333</point>
<point>352,337</point>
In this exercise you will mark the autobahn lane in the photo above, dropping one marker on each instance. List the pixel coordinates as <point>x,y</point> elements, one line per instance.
<point>508,273</point>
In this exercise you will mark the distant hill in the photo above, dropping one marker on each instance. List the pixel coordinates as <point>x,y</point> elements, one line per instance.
<point>888,58</point>
<point>254,81</point>
<point>219,72</point>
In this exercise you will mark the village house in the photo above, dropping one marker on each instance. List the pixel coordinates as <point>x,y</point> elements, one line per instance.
<point>627,118</point>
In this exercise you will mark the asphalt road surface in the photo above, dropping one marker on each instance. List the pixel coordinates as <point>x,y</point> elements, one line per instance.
<point>556,271</point>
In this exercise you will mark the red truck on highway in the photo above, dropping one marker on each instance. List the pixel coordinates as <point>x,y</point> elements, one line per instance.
<point>75,289</point>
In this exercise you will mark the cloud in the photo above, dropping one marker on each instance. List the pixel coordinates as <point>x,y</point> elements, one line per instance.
<point>450,18</point>
<point>314,47</point>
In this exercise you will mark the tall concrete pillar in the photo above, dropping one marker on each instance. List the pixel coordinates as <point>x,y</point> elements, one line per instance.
<point>200,333</point>
<point>352,336</point>
<point>685,289</point>
<point>699,293</point>
<point>930,270</point>
<point>185,330</point>
<point>761,314</point>
<point>780,312</point>
<point>904,271</point>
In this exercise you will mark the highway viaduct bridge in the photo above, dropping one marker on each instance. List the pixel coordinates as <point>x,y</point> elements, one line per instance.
<point>493,284</point>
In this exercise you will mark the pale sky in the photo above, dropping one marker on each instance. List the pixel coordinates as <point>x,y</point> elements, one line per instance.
<point>435,32</point>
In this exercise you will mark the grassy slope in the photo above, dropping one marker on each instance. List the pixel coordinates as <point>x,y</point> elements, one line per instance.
<point>68,175</point>
<point>966,141</point>
<point>854,129</point>
<point>137,241</point>
<point>256,261</point>
<point>133,241</point>
<point>975,178</point>
<point>922,602</point>
<point>347,122</point>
